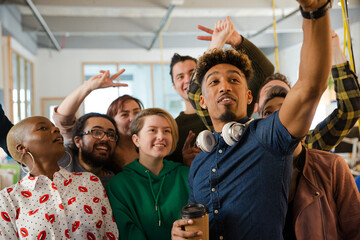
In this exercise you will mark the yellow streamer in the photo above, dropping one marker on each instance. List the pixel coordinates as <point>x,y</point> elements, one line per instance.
<point>347,34</point>
<point>275,39</point>
<point>347,39</point>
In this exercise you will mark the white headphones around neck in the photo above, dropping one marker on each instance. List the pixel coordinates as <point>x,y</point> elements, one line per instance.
<point>231,132</point>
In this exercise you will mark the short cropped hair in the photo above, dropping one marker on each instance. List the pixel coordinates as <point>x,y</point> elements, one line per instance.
<point>79,127</point>
<point>118,104</point>
<point>178,58</point>
<point>275,76</point>
<point>215,57</point>
<point>274,92</point>
<point>138,123</point>
<point>16,136</point>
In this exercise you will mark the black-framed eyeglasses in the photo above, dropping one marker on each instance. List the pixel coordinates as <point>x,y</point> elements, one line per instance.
<point>99,134</point>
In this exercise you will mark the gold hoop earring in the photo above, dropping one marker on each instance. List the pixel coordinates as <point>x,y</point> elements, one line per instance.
<point>22,164</point>
<point>70,160</point>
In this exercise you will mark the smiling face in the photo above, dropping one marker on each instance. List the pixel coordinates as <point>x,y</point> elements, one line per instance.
<point>41,138</point>
<point>181,74</point>
<point>225,94</point>
<point>125,116</point>
<point>155,138</point>
<point>96,152</point>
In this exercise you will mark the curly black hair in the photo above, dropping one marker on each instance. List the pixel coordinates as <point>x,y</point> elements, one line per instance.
<point>218,56</point>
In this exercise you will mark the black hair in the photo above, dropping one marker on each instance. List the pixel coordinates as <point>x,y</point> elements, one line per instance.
<point>274,92</point>
<point>218,56</point>
<point>275,76</point>
<point>79,127</point>
<point>178,58</point>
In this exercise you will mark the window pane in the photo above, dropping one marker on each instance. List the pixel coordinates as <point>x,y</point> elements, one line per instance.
<point>137,76</point>
<point>22,80</point>
<point>22,95</point>
<point>28,109</point>
<point>28,81</point>
<point>15,77</point>
<point>15,95</point>
<point>99,100</point>
<point>16,113</point>
<point>94,69</point>
<point>28,88</point>
<point>22,110</point>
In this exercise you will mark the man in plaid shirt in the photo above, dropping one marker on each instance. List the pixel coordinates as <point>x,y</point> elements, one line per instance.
<point>328,133</point>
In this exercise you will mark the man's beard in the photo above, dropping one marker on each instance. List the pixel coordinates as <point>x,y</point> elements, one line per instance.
<point>93,160</point>
<point>228,116</point>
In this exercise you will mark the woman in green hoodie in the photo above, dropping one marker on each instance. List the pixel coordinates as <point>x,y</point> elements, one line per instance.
<point>147,196</point>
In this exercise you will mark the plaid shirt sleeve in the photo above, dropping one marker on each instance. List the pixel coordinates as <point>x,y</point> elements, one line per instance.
<point>262,69</point>
<point>333,129</point>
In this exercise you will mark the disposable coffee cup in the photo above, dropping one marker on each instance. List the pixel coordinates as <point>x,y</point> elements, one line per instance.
<point>199,213</point>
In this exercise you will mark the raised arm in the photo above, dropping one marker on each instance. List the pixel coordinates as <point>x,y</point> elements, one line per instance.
<point>259,62</point>
<point>299,107</point>
<point>328,133</point>
<point>4,129</point>
<point>64,115</point>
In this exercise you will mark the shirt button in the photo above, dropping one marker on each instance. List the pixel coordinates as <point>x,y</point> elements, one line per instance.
<point>214,170</point>
<point>221,237</point>
<point>220,151</point>
<point>216,211</point>
<point>213,189</point>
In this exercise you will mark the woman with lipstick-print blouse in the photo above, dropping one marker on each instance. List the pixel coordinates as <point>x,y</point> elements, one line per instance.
<point>50,202</point>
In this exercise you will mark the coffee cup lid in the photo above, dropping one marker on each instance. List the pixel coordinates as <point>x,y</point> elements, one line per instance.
<point>194,210</point>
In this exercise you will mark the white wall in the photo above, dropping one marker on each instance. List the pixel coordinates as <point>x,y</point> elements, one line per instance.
<point>59,73</point>
<point>289,60</point>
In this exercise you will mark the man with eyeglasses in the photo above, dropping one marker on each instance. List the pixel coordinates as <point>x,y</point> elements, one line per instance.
<point>94,139</point>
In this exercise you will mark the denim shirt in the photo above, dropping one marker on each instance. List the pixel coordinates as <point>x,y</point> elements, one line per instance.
<point>246,186</point>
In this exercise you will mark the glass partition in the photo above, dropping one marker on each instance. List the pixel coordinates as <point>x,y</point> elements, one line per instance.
<point>22,70</point>
<point>149,82</point>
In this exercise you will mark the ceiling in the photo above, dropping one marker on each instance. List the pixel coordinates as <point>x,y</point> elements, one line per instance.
<point>135,23</point>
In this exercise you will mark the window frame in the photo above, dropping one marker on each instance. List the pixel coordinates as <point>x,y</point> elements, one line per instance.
<point>11,52</point>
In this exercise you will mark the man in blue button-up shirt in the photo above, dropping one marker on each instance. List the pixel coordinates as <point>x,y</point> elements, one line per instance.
<point>246,185</point>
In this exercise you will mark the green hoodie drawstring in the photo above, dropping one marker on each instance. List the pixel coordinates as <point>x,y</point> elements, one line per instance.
<point>157,197</point>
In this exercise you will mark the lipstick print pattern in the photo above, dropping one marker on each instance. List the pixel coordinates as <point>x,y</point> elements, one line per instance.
<point>72,206</point>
